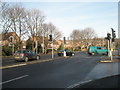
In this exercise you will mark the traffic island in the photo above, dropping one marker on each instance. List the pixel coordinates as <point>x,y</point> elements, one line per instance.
<point>109,60</point>
<point>106,82</point>
<point>116,58</point>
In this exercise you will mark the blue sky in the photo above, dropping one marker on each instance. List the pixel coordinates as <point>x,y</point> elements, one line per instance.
<point>66,16</point>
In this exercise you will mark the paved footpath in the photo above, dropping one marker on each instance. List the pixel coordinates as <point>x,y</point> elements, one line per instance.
<point>101,70</point>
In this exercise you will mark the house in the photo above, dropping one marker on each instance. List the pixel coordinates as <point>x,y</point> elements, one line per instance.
<point>5,38</point>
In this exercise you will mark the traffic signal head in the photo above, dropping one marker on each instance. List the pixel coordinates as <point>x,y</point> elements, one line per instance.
<point>113,35</point>
<point>50,37</point>
<point>108,36</point>
<point>64,40</point>
<point>11,39</point>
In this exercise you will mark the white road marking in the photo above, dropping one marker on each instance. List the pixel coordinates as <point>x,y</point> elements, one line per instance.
<point>77,84</point>
<point>14,79</point>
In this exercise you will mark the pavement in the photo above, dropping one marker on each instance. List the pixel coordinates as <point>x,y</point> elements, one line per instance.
<point>105,74</point>
<point>107,82</point>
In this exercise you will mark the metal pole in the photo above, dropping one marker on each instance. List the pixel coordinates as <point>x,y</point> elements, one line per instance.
<point>12,45</point>
<point>108,49</point>
<point>36,46</point>
<point>52,49</point>
<point>43,41</point>
<point>111,50</point>
<point>13,49</point>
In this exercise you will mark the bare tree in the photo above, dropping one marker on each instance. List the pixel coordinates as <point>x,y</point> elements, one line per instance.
<point>83,37</point>
<point>34,21</point>
<point>49,29</point>
<point>75,37</point>
<point>54,31</point>
<point>88,33</point>
<point>16,15</point>
<point>4,20</point>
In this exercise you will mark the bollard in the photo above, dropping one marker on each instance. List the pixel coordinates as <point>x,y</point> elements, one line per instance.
<point>64,53</point>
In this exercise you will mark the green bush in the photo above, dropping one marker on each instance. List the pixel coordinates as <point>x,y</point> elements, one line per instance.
<point>6,50</point>
<point>29,44</point>
<point>39,48</point>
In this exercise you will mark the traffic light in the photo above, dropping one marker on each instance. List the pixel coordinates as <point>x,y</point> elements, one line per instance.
<point>108,36</point>
<point>64,40</point>
<point>113,35</point>
<point>11,39</point>
<point>50,37</point>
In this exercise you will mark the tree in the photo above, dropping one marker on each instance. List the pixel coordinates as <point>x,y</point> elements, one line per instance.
<point>56,34</point>
<point>34,21</point>
<point>14,20</point>
<point>88,33</point>
<point>83,37</point>
<point>4,20</point>
<point>47,30</point>
<point>75,35</point>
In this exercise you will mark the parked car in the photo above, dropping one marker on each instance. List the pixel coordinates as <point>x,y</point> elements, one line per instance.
<point>68,53</point>
<point>25,55</point>
<point>92,50</point>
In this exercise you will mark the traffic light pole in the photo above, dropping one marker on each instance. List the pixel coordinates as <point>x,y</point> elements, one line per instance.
<point>64,42</point>
<point>13,49</point>
<point>111,49</point>
<point>42,38</point>
<point>52,50</point>
<point>36,46</point>
<point>108,48</point>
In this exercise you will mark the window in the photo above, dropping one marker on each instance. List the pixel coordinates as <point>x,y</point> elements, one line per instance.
<point>99,48</point>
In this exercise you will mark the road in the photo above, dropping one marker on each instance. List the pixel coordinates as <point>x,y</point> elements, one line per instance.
<point>12,61</point>
<point>59,73</point>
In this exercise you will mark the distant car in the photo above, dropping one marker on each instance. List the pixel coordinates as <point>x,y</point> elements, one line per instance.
<point>92,50</point>
<point>68,53</point>
<point>25,55</point>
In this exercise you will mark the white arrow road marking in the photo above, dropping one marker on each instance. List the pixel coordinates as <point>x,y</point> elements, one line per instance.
<point>14,79</point>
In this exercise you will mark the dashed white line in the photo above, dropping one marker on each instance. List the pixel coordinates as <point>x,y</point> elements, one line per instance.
<point>14,79</point>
